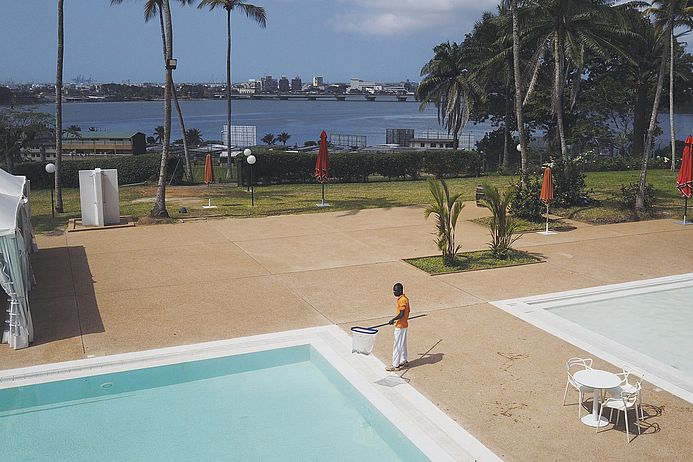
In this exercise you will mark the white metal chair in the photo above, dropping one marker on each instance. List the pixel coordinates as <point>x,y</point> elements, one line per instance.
<point>573,365</point>
<point>631,381</point>
<point>626,401</point>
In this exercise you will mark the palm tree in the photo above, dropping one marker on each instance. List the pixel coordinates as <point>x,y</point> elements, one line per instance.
<point>159,133</point>
<point>447,85</point>
<point>283,137</point>
<point>256,13</point>
<point>154,8</point>
<point>269,139</point>
<point>446,209</point>
<point>59,112</point>
<point>193,136</point>
<point>518,92</point>
<point>668,15</point>
<point>573,27</point>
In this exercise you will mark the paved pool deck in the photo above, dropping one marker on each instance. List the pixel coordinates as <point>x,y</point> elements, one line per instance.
<point>120,290</point>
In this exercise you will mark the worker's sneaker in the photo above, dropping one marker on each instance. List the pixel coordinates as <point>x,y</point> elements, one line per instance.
<point>393,368</point>
<point>404,364</point>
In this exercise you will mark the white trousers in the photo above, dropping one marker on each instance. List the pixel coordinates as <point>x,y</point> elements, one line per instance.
<point>399,349</point>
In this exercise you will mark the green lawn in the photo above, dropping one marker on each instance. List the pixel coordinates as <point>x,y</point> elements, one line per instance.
<point>470,261</point>
<point>301,198</point>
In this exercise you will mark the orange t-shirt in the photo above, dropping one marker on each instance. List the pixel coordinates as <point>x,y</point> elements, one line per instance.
<point>403,305</point>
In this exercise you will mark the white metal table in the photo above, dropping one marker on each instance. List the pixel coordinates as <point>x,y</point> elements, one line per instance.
<point>598,380</point>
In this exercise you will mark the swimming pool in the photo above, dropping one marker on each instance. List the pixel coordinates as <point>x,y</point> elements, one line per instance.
<point>288,402</point>
<point>644,325</point>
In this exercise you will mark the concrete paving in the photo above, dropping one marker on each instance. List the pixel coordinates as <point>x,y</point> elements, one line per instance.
<point>118,290</point>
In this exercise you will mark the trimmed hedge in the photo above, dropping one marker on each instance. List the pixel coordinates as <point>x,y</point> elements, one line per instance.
<point>131,169</point>
<point>287,167</point>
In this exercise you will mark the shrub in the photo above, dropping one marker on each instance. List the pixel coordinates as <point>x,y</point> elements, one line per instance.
<point>502,226</point>
<point>569,184</point>
<point>446,209</point>
<point>629,193</point>
<point>448,163</point>
<point>525,202</point>
<point>131,169</point>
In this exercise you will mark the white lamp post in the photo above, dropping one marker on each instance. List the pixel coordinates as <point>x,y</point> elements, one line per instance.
<point>519,148</point>
<point>250,158</point>
<point>50,169</point>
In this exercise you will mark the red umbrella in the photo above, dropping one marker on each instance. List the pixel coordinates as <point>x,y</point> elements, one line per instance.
<point>684,182</point>
<point>546,195</point>
<point>322,165</point>
<point>209,179</point>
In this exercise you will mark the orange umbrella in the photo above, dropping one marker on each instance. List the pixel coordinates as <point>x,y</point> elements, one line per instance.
<point>546,195</point>
<point>322,165</point>
<point>209,179</point>
<point>684,182</point>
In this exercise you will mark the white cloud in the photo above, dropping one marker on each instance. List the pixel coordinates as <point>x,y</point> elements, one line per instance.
<point>403,17</point>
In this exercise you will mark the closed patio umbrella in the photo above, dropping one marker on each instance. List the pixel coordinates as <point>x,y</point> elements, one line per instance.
<point>209,179</point>
<point>322,166</point>
<point>546,195</point>
<point>684,182</point>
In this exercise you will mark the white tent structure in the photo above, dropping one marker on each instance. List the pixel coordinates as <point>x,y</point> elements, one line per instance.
<point>16,244</point>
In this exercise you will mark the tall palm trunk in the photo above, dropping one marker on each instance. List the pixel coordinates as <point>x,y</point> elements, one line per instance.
<point>228,93</point>
<point>518,93</point>
<point>159,209</point>
<point>558,91</point>
<point>649,142</point>
<point>504,163</point>
<point>640,117</point>
<point>59,112</point>
<point>671,100</point>
<point>188,168</point>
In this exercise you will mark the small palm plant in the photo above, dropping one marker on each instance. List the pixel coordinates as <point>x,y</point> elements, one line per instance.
<point>502,225</point>
<point>446,209</point>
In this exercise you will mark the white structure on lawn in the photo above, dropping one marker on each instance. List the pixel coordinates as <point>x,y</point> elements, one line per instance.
<point>16,244</point>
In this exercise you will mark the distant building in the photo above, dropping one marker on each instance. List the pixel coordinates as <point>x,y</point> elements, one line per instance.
<point>269,84</point>
<point>399,136</point>
<point>442,140</point>
<point>284,84</point>
<point>87,144</point>
<point>361,85</point>
<point>296,84</point>
<point>318,81</point>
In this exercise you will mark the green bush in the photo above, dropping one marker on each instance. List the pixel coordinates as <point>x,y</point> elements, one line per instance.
<point>569,184</point>
<point>131,169</point>
<point>275,166</point>
<point>525,202</point>
<point>448,163</point>
<point>629,193</point>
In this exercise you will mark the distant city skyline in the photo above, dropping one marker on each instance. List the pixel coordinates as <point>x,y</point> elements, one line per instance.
<point>380,40</point>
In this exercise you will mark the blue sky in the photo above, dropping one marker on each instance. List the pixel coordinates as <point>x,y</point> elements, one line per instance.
<point>382,40</point>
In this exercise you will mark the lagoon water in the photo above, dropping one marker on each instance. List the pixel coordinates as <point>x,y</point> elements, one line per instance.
<point>302,119</point>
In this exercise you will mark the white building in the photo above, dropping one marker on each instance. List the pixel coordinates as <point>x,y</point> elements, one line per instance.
<point>362,85</point>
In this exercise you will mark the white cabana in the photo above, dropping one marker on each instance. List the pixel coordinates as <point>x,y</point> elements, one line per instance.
<point>16,244</point>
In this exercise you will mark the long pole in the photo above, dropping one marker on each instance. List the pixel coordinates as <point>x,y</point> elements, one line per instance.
<point>53,206</point>
<point>252,187</point>
<point>323,193</point>
<point>685,209</point>
<point>547,218</point>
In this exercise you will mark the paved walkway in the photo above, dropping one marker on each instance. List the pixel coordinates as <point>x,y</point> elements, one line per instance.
<point>111,291</point>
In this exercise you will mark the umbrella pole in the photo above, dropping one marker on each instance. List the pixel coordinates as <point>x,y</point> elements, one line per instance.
<point>685,210</point>
<point>323,193</point>
<point>209,195</point>
<point>547,218</point>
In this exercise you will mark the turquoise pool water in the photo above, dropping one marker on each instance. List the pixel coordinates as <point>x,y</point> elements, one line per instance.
<point>657,324</point>
<point>286,404</point>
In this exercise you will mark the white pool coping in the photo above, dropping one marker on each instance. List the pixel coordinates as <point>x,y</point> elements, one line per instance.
<point>438,436</point>
<point>533,310</point>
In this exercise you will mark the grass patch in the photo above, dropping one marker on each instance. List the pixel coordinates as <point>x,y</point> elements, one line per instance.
<point>525,226</point>
<point>471,261</point>
<point>233,201</point>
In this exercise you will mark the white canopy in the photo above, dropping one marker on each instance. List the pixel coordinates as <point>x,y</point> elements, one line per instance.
<point>16,244</point>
